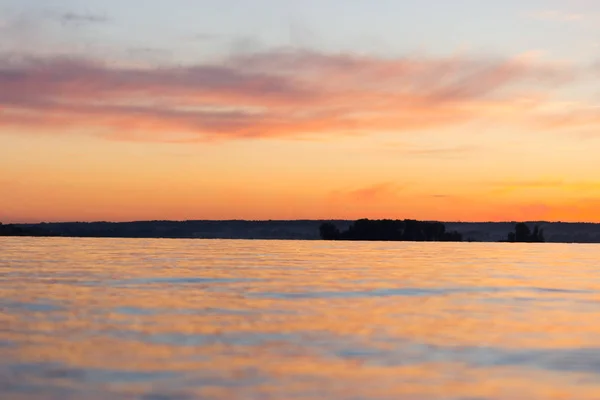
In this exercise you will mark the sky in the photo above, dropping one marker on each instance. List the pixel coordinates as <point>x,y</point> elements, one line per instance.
<point>462,110</point>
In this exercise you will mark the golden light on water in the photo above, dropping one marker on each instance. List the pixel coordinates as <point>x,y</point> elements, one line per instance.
<point>273,319</point>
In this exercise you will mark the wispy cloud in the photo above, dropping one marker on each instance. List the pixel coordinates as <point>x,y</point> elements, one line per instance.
<point>279,93</point>
<point>47,31</point>
<point>577,117</point>
<point>369,194</point>
<point>79,19</point>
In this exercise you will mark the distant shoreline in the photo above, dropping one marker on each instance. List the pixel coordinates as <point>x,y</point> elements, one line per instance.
<point>555,232</point>
<point>177,221</point>
<point>280,240</point>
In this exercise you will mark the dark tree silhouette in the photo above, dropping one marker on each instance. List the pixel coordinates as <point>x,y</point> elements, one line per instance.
<point>329,231</point>
<point>391,230</point>
<point>15,230</point>
<point>541,237</point>
<point>523,234</point>
<point>11,230</point>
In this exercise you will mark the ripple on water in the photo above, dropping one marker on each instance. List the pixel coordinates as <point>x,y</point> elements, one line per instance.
<point>171,281</point>
<point>147,311</point>
<point>255,339</point>
<point>36,306</point>
<point>383,292</point>
<point>95,375</point>
<point>407,292</point>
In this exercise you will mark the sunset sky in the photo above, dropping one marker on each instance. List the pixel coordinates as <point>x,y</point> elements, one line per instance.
<point>468,110</point>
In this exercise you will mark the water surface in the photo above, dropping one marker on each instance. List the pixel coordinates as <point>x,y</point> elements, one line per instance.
<point>217,319</point>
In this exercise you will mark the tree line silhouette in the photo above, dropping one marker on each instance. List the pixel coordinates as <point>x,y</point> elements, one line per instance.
<point>391,230</point>
<point>523,234</point>
<point>14,230</point>
<point>361,230</point>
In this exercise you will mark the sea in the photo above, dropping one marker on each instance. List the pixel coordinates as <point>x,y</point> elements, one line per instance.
<point>176,319</point>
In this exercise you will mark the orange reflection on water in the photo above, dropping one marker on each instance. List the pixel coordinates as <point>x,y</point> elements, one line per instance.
<point>103,318</point>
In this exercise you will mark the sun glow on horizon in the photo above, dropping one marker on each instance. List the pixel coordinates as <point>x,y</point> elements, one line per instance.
<point>96,124</point>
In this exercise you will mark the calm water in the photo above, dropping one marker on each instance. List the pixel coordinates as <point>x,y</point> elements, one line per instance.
<point>183,319</point>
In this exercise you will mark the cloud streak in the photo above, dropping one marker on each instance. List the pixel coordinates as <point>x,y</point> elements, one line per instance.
<point>81,19</point>
<point>374,192</point>
<point>280,93</point>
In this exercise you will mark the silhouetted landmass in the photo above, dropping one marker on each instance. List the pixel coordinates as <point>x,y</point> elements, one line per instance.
<point>231,229</point>
<point>391,230</point>
<point>557,232</point>
<point>523,234</point>
<point>16,230</point>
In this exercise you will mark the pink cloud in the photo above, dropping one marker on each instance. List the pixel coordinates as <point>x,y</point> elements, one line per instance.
<point>286,93</point>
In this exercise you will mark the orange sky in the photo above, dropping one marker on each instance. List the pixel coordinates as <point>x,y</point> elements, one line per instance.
<point>294,132</point>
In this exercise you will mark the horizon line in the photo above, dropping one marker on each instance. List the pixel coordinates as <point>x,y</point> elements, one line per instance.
<point>298,220</point>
